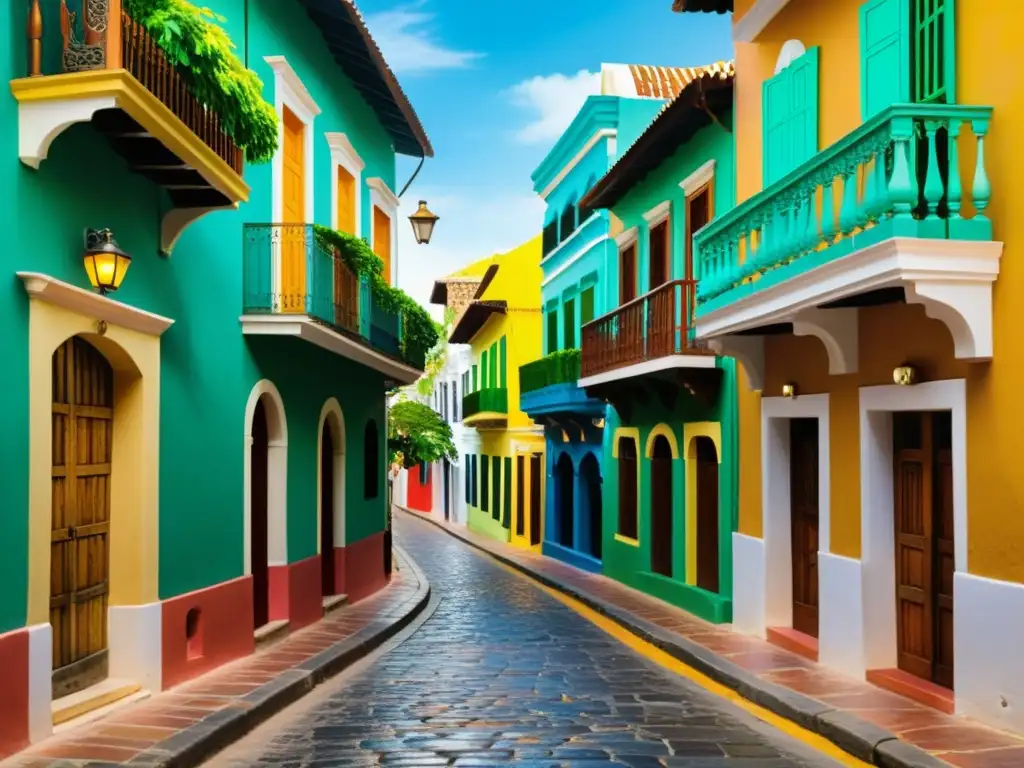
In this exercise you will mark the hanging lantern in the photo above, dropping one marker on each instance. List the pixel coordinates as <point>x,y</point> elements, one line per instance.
<point>105,263</point>
<point>423,222</point>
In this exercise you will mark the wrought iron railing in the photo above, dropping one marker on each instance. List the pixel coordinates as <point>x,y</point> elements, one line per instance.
<point>652,326</point>
<point>288,270</point>
<point>103,36</point>
<point>898,174</point>
<point>492,400</point>
<point>561,367</point>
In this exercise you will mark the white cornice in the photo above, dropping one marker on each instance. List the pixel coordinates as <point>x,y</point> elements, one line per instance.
<point>753,22</point>
<point>627,237</point>
<point>387,197</point>
<point>61,294</point>
<point>698,178</point>
<point>577,158</point>
<point>575,258</point>
<point>344,153</point>
<point>658,213</point>
<point>287,74</point>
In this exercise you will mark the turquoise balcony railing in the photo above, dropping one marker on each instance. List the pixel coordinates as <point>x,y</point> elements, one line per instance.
<point>898,175</point>
<point>492,400</point>
<point>287,270</point>
<point>561,367</point>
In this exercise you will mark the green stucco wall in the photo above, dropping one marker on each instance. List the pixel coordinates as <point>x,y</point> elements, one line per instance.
<point>208,369</point>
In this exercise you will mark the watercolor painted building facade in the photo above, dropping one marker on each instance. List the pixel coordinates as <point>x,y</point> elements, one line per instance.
<point>504,478</point>
<point>218,475</point>
<point>670,433</point>
<point>860,281</point>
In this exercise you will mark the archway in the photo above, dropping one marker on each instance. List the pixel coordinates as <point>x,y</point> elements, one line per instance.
<point>590,491</point>
<point>564,492</point>
<point>266,477</point>
<point>661,506</point>
<point>331,495</point>
<point>707,514</point>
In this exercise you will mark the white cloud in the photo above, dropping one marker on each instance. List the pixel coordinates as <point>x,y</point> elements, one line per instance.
<point>473,224</point>
<point>408,44</point>
<point>555,100</point>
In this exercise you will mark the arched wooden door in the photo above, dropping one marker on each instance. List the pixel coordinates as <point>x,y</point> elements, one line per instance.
<point>590,475</point>
<point>707,514</point>
<point>83,412</point>
<point>327,510</point>
<point>258,526</point>
<point>661,507</point>
<point>566,500</point>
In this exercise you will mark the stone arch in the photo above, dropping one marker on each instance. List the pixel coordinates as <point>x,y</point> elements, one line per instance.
<point>331,531</point>
<point>277,474</point>
<point>662,430</point>
<point>332,415</point>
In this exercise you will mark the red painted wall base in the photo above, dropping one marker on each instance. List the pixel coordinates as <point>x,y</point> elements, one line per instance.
<point>364,567</point>
<point>13,692</point>
<point>419,496</point>
<point>221,632</point>
<point>296,593</point>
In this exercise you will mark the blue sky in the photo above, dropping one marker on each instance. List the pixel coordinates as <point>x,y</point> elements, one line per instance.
<point>495,84</point>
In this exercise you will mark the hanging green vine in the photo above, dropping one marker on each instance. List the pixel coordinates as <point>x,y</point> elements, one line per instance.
<point>203,54</point>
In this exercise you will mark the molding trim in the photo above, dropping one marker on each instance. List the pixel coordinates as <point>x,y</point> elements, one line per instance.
<point>384,198</point>
<point>698,178</point>
<point>791,51</point>
<point>323,337</point>
<point>599,134</point>
<point>67,296</point>
<point>586,249</point>
<point>286,76</point>
<point>952,279</point>
<point>661,430</point>
<point>344,155</point>
<point>753,22</point>
<point>277,476</point>
<point>627,237</point>
<point>658,213</point>
<point>290,92</point>
<point>331,415</point>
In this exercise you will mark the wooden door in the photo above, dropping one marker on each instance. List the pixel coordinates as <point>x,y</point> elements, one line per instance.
<point>707,514</point>
<point>258,524</point>
<point>82,408</point>
<point>627,275</point>
<point>382,240</point>
<point>536,473</point>
<point>293,233</point>
<point>659,255</point>
<point>922,480</point>
<point>346,201</point>
<point>803,500</point>
<point>698,213</point>
<point>520,495</point>
<point>661,507</point>
<point>327,510</point>
<point>591,476</point>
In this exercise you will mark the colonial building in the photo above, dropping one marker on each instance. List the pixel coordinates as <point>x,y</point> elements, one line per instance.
<point>859,282</point>
<point>670,434</point>
<point>504,477</point>
<point>194,448</point>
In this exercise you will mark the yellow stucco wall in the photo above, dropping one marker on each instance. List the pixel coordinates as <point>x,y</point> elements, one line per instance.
<point>985,53</point>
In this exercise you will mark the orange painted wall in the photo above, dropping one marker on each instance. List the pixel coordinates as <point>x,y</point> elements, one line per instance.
<point>987,75</point>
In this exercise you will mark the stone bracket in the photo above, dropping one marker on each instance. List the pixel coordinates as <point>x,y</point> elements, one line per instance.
<point>748,350</point>
<point>837,329</point>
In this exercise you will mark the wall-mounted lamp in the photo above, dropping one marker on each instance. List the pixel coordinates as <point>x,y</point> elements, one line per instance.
<point>598,423</point>
<point>105,263</point>
<point>423,222</point>
<point>789,390</point>
<point>904,375</point>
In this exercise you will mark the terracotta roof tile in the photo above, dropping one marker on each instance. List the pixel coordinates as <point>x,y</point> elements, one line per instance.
<point>663,82</point>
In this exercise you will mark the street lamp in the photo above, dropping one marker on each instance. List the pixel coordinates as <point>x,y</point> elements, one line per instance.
<point>423,222</point>
<point>105,263</point>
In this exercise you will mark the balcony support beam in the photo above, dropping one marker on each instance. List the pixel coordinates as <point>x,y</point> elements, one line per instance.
<point>748,351</point>
<point>837,329</point>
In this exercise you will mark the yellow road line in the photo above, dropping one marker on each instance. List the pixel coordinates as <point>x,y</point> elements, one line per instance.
<point>672,664</point>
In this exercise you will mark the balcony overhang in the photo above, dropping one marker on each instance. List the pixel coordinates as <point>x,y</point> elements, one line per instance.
<point>304,327</point>
<point>564,406</point>
<point>952,279</point>
<point>487,420</point>
<point>155,142</point>
<point>663,380</point>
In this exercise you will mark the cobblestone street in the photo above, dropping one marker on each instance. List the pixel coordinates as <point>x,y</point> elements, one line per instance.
<point>502,672</point>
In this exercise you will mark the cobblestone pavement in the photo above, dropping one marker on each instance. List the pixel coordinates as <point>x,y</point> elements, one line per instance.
<point>503,673</point>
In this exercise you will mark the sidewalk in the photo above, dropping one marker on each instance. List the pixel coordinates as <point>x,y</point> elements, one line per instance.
<point>186,725</point>
<point>868,722</point>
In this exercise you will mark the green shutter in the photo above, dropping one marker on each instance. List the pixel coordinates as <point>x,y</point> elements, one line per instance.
<point>473,478</point>
<point>494,365</point>
<point>790,117</point>
<point>506,518</point>
<point>485,483</point>
<point>586,306</point>
<point>933,42</point>
<point>496,487</point>
<point>884,55</point>
<point>475,381</point>
<point>569,321</point>
<point>552,336</point>
<point>467,478</point>
<point>503,363</point>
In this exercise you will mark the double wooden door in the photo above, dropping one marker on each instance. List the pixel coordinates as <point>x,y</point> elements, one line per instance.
<point>923,511</point>
<point>803,500</point>
<point>83,411</point>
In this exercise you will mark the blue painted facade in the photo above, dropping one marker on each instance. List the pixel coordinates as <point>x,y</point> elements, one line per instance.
<point>579,252</point>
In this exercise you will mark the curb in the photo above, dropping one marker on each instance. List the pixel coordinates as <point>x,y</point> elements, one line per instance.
<point>856,736</point>
<point>198,743</point>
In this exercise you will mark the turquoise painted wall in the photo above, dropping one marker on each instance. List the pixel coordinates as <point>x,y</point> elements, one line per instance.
<point>208,369</point>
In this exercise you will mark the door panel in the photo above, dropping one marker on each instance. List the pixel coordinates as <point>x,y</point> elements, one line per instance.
<point>707,515</point>
<point>661,507</point>
<point>382,240</point>
<point>327,510</point>
<point>258,555</point>
<point>293,196</point>
<point>520,495</point>
<point>346,201</point>
<point>803,495</point>
<point>944,565</point>
<point>82,408</point>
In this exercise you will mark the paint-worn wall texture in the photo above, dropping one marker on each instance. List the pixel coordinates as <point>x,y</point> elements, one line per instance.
<point>995,408</point>
<point>207,369</point>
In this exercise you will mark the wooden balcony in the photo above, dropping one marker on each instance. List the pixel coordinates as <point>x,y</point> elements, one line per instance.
<point>110,72</point>
<point>486,408</point>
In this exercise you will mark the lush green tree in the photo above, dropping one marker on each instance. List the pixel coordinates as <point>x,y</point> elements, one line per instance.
<point>416,433</point>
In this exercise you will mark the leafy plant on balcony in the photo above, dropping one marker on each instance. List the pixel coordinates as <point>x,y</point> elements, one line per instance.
<point>419,331</point>
<point>203,54</point>
<point>559,367</point>
<point>417,433</point>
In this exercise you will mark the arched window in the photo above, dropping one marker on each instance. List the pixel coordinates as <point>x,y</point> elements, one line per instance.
<point>627,488</point>
<point>371,461</point>
<point>568,221</point>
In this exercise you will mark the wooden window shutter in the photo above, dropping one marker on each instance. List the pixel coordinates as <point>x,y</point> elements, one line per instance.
<point>552,339</point>
<point>884,55</point>
<point>503,363</point>
<point>569,318</point>
<point>790,117</point>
